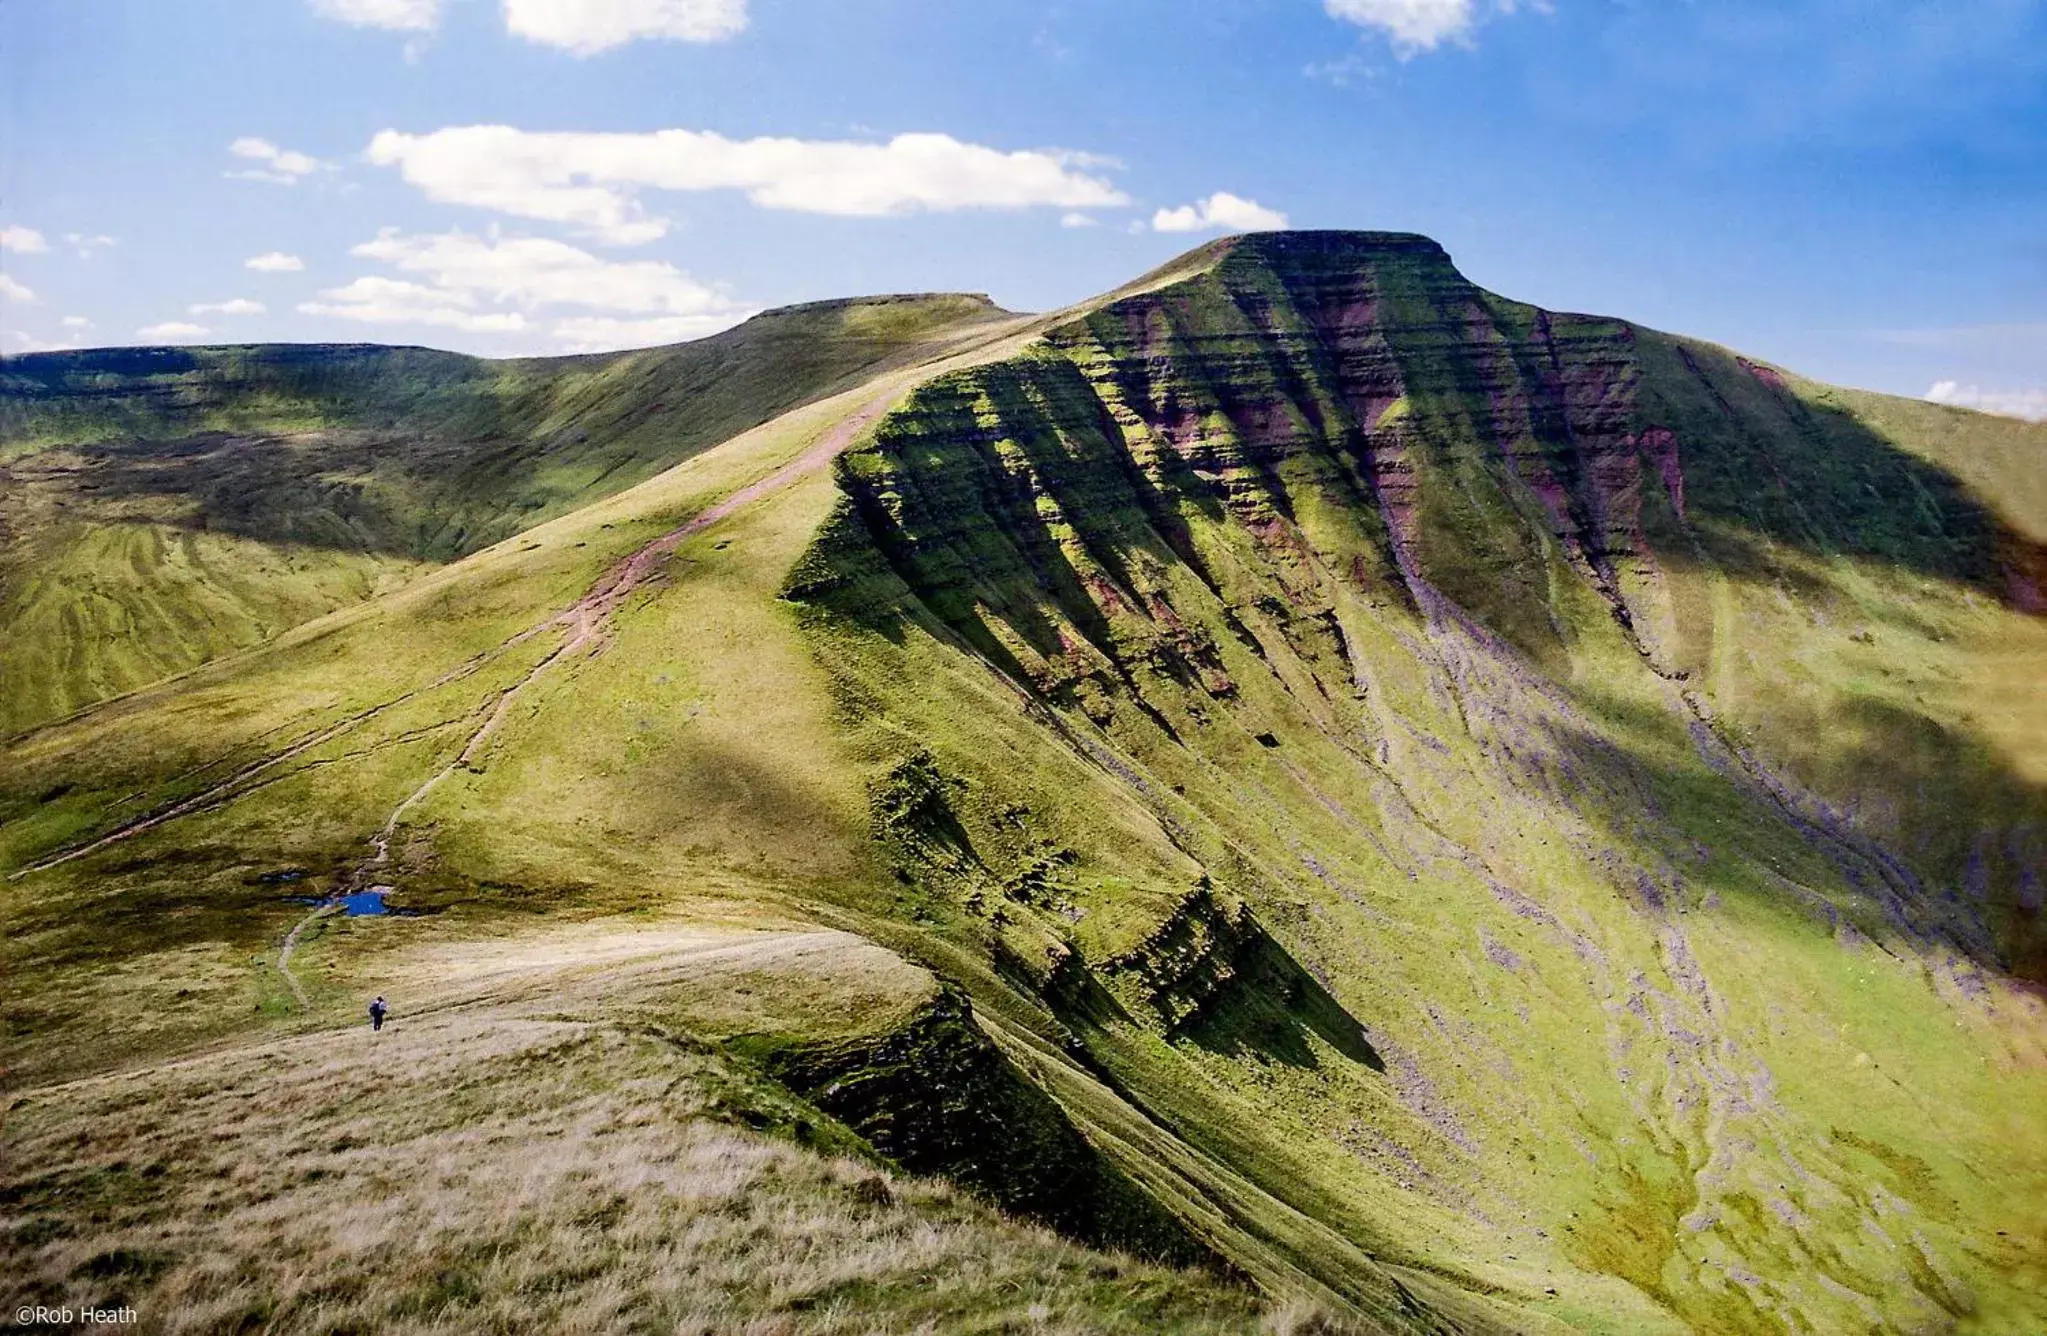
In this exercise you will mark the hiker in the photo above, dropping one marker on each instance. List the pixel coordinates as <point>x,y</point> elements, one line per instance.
<point>377,1010</point>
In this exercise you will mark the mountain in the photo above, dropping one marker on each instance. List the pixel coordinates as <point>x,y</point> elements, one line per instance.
<point>1303,791</point>
<point>160,506</point>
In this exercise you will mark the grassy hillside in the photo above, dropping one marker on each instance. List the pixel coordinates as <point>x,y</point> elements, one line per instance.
<point>160,506</point>
<point>1451,816</point>
<point>1580,716</point>
<point>597,1171</point>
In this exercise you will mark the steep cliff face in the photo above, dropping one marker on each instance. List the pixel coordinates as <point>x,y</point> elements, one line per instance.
<point>1377,427</point>
<point>1481,771</point>
<point>1469,818</point>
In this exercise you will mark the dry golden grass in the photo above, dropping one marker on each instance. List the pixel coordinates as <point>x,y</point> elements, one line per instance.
<point>479,1171</point>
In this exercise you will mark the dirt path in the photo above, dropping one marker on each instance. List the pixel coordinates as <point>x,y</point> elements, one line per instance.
<point>238,783</point>
<point>584,625</point>
<point>588,622</point>
<point>291,942</point>
<point>540,983</point>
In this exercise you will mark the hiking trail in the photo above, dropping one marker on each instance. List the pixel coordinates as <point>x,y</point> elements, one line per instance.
<point>584,622</point>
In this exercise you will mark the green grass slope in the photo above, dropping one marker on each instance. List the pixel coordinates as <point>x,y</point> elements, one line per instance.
<point>1458,817</point>
<point>161,506</point>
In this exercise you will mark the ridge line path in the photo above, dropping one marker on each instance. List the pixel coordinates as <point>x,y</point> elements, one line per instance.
<point>585,621</point>
<point>623,964</point>
<point>291,941</point>
<point>206,798</point>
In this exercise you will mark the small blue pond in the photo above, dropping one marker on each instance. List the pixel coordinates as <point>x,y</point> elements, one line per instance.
<point>358,904</point>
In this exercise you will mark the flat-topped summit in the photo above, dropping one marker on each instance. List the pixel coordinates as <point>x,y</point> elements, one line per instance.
<point>1493,819</point>
<point>1348,243</point>
<point>1321,249</point>
<point>947,301</point>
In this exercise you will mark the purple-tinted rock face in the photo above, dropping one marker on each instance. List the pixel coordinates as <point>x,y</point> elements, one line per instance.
<point>1390,607</point>
<point>1361,413</point>
<point>1338,370</point>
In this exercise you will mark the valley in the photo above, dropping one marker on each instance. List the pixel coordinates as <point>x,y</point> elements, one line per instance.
<point>1299,793</point>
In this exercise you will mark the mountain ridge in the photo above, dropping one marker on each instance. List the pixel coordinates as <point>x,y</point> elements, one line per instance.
<point>203,500</point>
<point>1470,861</point>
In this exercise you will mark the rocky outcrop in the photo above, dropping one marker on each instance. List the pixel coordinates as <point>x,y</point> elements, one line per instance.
<point>937,1096</point>
<point>1348,392</point>
<point>1386,624</point>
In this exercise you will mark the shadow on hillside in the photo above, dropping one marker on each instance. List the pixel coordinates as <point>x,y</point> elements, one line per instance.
<point>1760,471</point>
<point>938,1097</point>
<point>1271,1010</point>
<point>331,490</point>
<point>432,455</point>
<point>996,556</point>
<point>1974,887</point>
<point>721,796</point>
<point>1267,1008</point>
<point>1758,457</point>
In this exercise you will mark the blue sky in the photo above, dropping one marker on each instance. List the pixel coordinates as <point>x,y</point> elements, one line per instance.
<point>1854,188</point>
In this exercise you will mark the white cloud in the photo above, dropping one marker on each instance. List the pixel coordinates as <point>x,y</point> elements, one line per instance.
<point>88,246</point>
<point>602,333</point>
<point>2028,404</point>
<point>15,292</point>
<point>1340,73</point>
<point>22,240</point>
<point>233,306</point>
<point>274,262</point>
<point>1077,220</point>
<point>1423,25</point>
<point>1220,211</point>
<point>392,301</point>
<point>493,285</point>
<point>539,271</point>
<point>171,329</point>
<point>281,166</point>
<point>401,15</point>
<point>25,342</point>
<point>77,322</point>
<point>589,180</point>
<point>586,27</point>
<point>1419,25</point>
